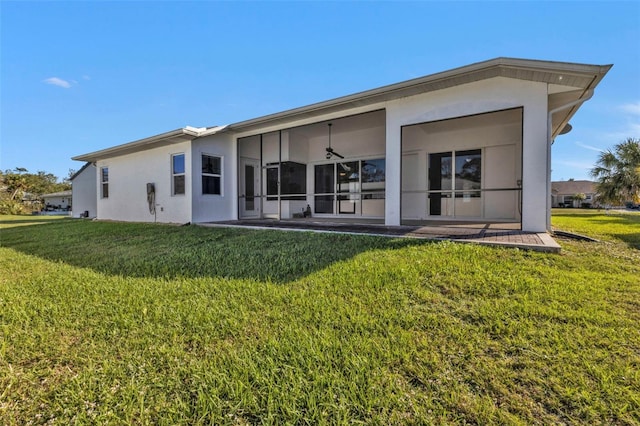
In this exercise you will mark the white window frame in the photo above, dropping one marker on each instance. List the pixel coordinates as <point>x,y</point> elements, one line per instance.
<point>174,175</point>
<point>202,174</point>
<point>104,182</point>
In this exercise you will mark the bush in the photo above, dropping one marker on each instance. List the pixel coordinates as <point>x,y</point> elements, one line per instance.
<point>11,207</point>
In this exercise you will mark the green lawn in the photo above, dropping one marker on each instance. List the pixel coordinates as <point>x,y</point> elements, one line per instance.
<point>113,323</point>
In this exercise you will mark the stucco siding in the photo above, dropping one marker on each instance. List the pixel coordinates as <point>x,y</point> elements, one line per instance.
<point>84,192</point>
<point>213,207</point>
<point>128,178</point>
<point>475,98</point>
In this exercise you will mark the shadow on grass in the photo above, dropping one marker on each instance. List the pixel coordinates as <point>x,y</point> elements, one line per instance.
<point>632,240</point>
<point>33,220</point>
<point>610,224</point>
<point>154,250</point>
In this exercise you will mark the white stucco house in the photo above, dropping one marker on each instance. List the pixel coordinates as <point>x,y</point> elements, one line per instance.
<point>470,144</point>
<point>84,188</point>
<point>58,201</point>
<point>563,193</point>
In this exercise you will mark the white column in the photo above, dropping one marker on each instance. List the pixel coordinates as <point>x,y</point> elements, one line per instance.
<point>535,164</point>
<point>393,171</point>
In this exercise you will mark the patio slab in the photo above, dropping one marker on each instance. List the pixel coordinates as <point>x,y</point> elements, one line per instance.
<point>486,235</point>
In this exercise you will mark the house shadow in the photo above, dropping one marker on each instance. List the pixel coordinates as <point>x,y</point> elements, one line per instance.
<point>167,251</point>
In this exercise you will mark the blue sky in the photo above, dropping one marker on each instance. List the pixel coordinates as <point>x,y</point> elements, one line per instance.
<point>78,76</point>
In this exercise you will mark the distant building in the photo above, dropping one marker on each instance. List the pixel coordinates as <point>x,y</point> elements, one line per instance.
<point>563,192</point>
<point>57,201</point>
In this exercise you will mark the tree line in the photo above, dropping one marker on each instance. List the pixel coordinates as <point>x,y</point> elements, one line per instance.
<point>21,191</point>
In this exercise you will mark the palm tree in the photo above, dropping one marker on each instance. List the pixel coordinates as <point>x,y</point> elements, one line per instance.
<point>579,197</point>
<point>617,173</point>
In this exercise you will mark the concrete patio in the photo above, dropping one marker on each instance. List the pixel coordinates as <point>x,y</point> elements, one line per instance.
<point>495,234</point>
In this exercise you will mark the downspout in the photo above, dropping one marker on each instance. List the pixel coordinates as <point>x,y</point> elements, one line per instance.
<point>550,140</point>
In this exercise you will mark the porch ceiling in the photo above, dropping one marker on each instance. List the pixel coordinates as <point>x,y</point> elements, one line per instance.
<point>561,118</point>
<point>369,120</point>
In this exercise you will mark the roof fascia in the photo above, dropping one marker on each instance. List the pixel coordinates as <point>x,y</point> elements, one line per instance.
<point>173,136</point>
<point>399,90</point>
<point>82,169</point>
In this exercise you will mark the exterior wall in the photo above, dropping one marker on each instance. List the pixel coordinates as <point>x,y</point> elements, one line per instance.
<point>128,178</point>
<point>84,188</point>
<point>211,208</point>
<point>484,96</point>
<point>129,174</point>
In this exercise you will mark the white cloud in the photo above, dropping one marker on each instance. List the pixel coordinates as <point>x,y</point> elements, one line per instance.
<point>577,164</point>
<point>632,108</point>
<point>57,82</point>
<point>86,77</point>
<point>590,147</point>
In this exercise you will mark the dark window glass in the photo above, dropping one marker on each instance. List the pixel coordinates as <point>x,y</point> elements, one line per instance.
<point>210,165</point>
<point>177,166</point>
<point>373,170</point>
<point>178,184</point>
<point>272,183</point>
<point>324,183</point>
<point>105,182</point>
<point>294,181</point>
<point>468,169</point>
<point>211,185</point>
<point>440,173</point>
<point>211,175</point>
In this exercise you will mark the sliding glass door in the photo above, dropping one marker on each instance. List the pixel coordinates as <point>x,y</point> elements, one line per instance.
<point>324,188</point>
<point>455,180</point>
<point>355,188</point>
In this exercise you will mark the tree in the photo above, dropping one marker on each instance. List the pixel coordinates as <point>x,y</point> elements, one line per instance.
<point>16,183</point>
<point>579,197</point>
<point>617,173</point>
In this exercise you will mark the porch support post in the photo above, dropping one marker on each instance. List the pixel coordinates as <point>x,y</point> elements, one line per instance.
<point>535,165</point>
<point>393,171</point>
<point>262,199</point>
<point>279,173</point>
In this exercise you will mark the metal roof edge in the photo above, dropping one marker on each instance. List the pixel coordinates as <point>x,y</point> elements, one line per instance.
<point>114,151</point>
<point>532,64</point>
<point>82,169</point>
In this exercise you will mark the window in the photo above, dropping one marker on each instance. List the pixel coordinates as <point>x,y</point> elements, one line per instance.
<point>211,175</point>
<point>294,181</point>
<point>468,172</point>
<point>373,178</point>
<point>177,174</point>
<point>104,180</point>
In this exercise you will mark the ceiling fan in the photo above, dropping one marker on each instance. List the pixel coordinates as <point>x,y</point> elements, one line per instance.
<point>330,151</point>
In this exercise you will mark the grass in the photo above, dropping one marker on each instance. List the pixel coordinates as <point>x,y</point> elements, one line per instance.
<point>113,323</point>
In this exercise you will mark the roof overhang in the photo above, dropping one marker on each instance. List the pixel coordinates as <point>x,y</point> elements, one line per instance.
<point>82,169</point>
<point>566,82</point>
<point>183,134</point>
<point>560,76</point>
<point>67,193</point>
